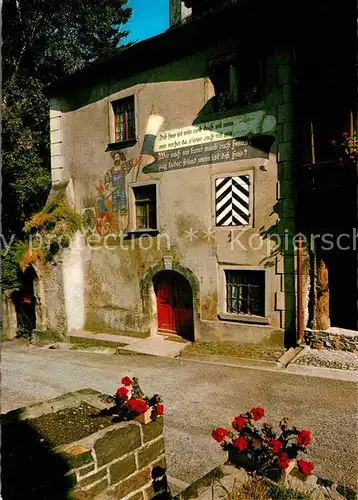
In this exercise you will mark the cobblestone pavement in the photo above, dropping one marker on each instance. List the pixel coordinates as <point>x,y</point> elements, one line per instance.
<point>198,396</point>
<point>328,358</point>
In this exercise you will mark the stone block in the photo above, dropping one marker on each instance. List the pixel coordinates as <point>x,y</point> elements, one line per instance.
<point>56,136</point>
<point>284,169</point>
<point>284,74</point>
<point>284,189</point>
<point>287,131</point>
<point>77,455</point>
<point>137,496</point>
<point>288,283</point>
<point>117,443</point>
<point>57,175</point>
<point>285,151</point>
<point>284,113</point>
<point>287,93</point>
<point>133,483</point>
<point>150,453</point>
<point>122,469</point>
<point>152,430</point>
<point>92,478</point>
<point>97,488</point>
<point>285,301</point>
<point>288,208</point>
<point>85,470</point>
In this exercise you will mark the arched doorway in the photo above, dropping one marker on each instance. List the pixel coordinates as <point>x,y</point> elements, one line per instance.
<point>174,304</point>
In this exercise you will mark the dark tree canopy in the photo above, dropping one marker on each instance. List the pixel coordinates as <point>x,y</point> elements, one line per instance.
<point>43,41</point>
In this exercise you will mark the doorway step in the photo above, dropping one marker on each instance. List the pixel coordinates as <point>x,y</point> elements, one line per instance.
<point>156,345</point>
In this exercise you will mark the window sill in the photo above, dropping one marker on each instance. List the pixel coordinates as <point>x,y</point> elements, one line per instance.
<point>137,233</point>
<point>244,318</point>
<point>115,146</point>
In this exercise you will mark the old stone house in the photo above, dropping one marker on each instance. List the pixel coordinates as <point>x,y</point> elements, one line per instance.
<point>181,154</point>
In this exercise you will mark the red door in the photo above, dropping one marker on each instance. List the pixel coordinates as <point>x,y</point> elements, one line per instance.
<point>175,304</point>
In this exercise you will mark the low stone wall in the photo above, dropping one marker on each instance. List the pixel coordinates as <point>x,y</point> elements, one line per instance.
<point>340,340</point>
<point>117,460</point>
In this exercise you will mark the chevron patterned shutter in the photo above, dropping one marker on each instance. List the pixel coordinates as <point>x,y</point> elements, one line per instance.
<point>232,201</point>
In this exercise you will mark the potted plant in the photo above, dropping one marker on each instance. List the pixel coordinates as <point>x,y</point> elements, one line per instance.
<point>258,449</point>
<point>132,404</point>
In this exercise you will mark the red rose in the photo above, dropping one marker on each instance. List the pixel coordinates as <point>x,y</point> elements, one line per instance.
<point>240,443</point>
<point>276,445</point>
<point>219,434</point>
<point>283,461</point>
<point>137,405</point>
<point>239,422</point>
<point>159,409</point>
<point>122,392</point>
<point>305,467</point>
<point>126,381</point>
<point>257,413</point>
<point>333,141</point>
<point>304,437</point>
<point>345,134</point>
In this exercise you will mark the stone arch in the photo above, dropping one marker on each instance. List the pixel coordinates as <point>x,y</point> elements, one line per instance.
<point>146,284</point>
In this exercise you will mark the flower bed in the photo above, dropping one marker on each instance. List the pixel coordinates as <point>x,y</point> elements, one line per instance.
<point>71,447</point>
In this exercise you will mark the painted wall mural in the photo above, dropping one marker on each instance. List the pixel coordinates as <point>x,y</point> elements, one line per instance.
<point>234,138</point>
<point>108,213</point>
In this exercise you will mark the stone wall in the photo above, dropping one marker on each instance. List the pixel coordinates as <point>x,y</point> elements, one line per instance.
<point>117,460</point>
<point>347,341</point>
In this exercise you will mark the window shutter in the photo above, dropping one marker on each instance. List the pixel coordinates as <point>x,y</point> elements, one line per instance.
<point>232,201</point>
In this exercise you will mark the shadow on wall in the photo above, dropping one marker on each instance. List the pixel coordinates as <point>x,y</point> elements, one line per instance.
<point>29,469</point>
<point>281,235</point>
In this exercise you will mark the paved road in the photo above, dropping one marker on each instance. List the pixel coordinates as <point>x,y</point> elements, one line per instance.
<point>198,396</point>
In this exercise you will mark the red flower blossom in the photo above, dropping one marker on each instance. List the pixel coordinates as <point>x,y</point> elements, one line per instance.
<point>219,434</point>
<point>239,422</point>
<point>126,381</point>
<point>305,467</point>
<point>240,443</point>
<point>122,392</point>
<point>257,413</point>
<point>159,409</point>
<point>333,141</point>
<point>137,405</point>
<point>276,445</point>
<point>304,437</point>
<point>283,461</point>
<point>345,134</point>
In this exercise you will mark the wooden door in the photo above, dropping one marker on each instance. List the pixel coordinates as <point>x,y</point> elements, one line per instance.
<point>175,304</point>
<point>165,304</point>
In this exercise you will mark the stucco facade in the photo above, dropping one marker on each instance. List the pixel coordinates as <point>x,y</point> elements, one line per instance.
<point>115,281</point>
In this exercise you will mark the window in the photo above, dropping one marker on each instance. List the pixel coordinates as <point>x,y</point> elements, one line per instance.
<point>237,82</point>
<point>145,207</point>
<point>233,201</point>
<point>245,292</point>
<point>124,119</point>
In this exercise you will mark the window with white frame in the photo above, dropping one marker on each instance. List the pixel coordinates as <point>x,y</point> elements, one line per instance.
<point>233,200</point>
<point>245,292</point>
